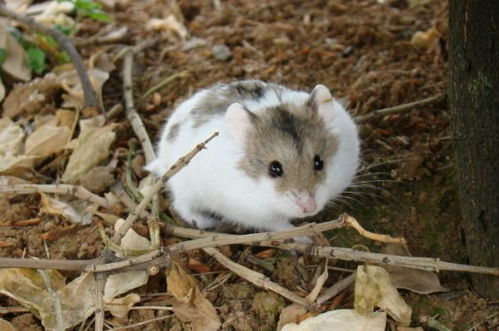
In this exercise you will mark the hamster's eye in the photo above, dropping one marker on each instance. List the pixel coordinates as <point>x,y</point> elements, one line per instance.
<point>275,169</point>
<point>318,163</point>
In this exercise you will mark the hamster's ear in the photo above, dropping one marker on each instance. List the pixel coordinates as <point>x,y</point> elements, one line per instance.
<point>322,102</point>
<point>239,121</point>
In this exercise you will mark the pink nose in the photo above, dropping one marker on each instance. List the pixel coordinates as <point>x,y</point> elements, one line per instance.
<point>307,205</point>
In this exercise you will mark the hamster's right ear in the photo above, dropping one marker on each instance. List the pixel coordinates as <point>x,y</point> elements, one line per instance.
<point>239,121</point>
<point>322,102</point>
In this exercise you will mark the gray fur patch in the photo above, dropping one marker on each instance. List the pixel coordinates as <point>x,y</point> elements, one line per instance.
<point>221,96</point>
<point>172,134</point>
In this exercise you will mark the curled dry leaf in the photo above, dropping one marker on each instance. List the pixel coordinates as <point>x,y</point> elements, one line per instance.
<point>190,305</point>
<point>91,148</point>
<point>373,288</point>
<point>427,40</point>
<point>30,97</point>
<point>77,211</point>
<point>341,320</point>
<point>16,60</point>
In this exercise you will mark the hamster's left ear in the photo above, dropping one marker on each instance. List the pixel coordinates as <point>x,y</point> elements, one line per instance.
<point>238,120</point>
<point>322,102</point>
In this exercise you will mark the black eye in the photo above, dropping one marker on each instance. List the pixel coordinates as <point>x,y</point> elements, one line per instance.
<point>318,163</point>
<point>275,169</point>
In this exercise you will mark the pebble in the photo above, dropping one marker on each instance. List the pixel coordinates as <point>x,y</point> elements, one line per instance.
<point>221,52</point>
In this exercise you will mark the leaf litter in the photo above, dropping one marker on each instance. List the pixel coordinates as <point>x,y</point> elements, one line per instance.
<point>362,57</point>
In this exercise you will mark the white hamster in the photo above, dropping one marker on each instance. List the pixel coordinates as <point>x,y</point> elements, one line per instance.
<point>281,154</point>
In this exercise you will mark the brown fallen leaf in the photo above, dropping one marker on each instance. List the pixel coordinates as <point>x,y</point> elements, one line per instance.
<point>6,326</point>
<point>190,305</point>
<point>197,266</point>
<point>92,147</point>
<point>415,280</point>
<point>120,307</point>
<point>40,92</point>
<point>16,62</point>
<point>76,211</point>
<point>47,140</point>
<point>427,40</point>
<point>98,179</point>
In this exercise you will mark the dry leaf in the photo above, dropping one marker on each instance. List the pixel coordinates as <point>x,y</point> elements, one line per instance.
<point>2,90</point>
<point>341,320</point>
<point>168,24</point>
<point>98,179</point>
<point>373,288</point>
<point>48,139</point>
<point>190,304</point>
<point>11,137</point>
<point>30,97</point>
<point>71,83</point>
<point>290,314</point>
<point>16,61</point>
<point>427,40</point>
<point>77,211</point>
<point>419,281</point>
<point>6,326</point>
<point>119,283</point>
<point>121,306</point>
<point>92,147</point>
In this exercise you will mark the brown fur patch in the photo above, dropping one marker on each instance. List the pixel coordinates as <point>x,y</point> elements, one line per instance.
<point>292,136</point>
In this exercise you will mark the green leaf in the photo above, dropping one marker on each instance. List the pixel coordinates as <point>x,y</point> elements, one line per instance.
<point>3,56</point>
<point>64,29</point>
<point>100,16</point>
<point>37,59</point>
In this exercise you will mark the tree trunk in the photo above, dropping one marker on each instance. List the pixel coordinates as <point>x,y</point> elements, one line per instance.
<point>474,104</point>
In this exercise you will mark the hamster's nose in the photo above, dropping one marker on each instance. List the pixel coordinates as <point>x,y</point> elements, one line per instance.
<point>307,205</point>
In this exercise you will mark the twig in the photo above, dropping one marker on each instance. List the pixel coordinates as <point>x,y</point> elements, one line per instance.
<point>164,82</point>
<point>100,281</point>
<point>400,108</point>
<point>66,189</point>
<point>337,287</point>
<point>352,222</point>
<point>89,95</point>
<point>175,168</point>
<point>131,113</point>
<point>422,263</point>
<point>256,278</point>
<point>59,322</point>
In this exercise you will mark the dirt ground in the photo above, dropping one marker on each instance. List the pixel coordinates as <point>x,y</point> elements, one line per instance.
<point>365,52</point>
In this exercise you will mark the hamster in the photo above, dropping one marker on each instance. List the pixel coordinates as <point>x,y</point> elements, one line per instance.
<point>281,154</point>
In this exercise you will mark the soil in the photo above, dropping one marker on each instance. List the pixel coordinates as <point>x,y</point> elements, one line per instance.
<point>360,49</point>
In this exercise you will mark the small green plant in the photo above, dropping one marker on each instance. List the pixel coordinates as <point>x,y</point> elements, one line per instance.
<point>89,8</point>
<point>37,58</point>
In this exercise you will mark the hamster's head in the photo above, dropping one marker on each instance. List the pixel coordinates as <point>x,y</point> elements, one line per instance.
<point>288,149</point>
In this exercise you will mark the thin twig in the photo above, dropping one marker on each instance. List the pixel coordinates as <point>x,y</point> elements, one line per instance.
<point>164,82</point>
<point>100,281</point>
<point>131,326</point>
<point>400,108</point>
<point>256,278</point>
<point>336,288</point>
<point>65,189</point>
<point>89,95</point>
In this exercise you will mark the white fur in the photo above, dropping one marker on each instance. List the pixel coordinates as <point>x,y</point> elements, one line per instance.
<point>213,181</point>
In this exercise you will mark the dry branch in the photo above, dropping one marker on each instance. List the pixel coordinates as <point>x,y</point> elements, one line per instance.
<point>401,108</point>
<point>131,112</point>
<point>65,189</point>
<point>256,278</point>
<point>89,95</point>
